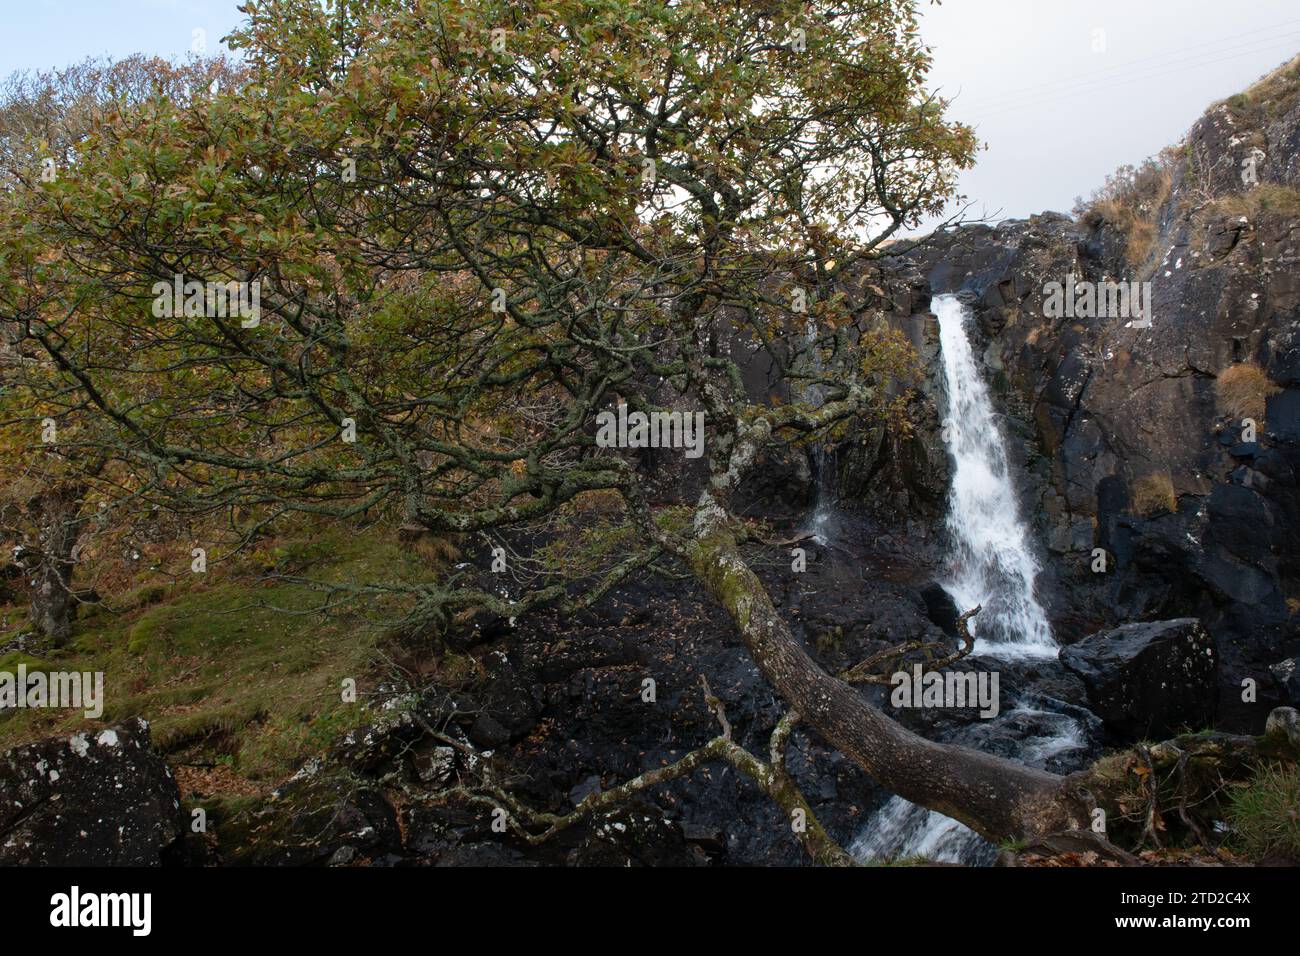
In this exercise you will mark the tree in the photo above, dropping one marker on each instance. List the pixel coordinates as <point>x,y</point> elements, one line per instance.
<point>475,226</point>
<point>53,475</point>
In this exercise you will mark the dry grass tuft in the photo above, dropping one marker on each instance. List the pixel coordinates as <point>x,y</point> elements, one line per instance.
<point>1130,202</point>
<point>1272,95</point>
<point>1154,493</point>
<point>1243,391</point>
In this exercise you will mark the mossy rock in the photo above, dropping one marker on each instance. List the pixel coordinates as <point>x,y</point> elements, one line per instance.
<point>14,659</point>
<point>319,812</point>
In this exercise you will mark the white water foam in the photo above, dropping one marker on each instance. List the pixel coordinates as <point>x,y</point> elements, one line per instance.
<point>992,563</point>
<point>900,829</point>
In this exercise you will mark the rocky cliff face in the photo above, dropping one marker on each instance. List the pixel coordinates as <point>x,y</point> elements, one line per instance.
<point>1138,442</point>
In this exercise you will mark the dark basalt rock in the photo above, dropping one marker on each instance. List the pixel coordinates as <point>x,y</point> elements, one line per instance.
<point>1148,680</point>
<point>635,835</point>
<point>941,608</point>
<point>1287,673</point>
<point>323,814</point>
<point>95,798</point>
<point>1283,415</point>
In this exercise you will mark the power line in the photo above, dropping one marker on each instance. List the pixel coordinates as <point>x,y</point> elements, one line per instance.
<point>1037,99</point>
<point>1220,44</point>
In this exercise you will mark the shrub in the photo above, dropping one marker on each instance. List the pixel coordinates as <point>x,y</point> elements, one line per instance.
<point>1265,813</point>
<point>1154,493</point>
<point>1243,391</point>
<point>1130,202</point>
<point>1274,94</point>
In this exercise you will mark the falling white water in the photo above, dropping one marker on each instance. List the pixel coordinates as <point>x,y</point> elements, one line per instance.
<point>820,521</point>
<point>901,830</point>
<point>992,563</point>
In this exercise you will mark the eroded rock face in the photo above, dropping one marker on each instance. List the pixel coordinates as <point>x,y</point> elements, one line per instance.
<point>1149,680</point>
<point>1100,412</point>
<point>100,798</point>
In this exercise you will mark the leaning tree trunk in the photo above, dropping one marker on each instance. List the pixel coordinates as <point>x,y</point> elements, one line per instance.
<point>997,798</point>
<point>60,524</point>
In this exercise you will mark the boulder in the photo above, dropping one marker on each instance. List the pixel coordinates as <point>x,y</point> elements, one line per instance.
<point>95,798</point>
<point>1284,724</point>
<point>323,815</point>
<point>1287,673</point>
<point>1152,679</point>
<point>940,607</point>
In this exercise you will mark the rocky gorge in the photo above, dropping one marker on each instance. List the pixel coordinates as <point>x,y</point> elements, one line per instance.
<point>1160,485</point>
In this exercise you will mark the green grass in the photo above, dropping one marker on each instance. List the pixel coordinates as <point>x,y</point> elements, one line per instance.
<point>1265,814</point>
<point>234,667</point>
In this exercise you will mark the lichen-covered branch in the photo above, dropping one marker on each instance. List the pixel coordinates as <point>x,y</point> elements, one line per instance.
<point>536,827</point>
<point>867,671</point>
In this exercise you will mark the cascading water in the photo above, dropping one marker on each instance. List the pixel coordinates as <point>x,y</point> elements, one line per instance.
<point>819,523</point>
<point>991,564</point>
<point>901,829</point>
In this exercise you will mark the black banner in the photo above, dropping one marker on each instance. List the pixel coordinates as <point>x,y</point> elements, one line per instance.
<point>369,904</point>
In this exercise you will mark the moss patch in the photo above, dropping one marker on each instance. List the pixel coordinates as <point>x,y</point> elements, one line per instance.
<point>239,666</point>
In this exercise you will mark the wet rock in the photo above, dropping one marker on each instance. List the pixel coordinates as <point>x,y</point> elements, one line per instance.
<point>637,835</point>
<point>584,789</point>
<point>343,856</point>
<point>95,798</point>
<point>1148,680</point>
<point>1287,673</point>
<point>435,765</point>
<point>941,608</point>
<point>387,739</point>
<point>557,660</point>
<point>708,839</point>
<point>1284,722</point>
<point>1283,415</point>
<point>487,733</point>
<point>483,854</point>
<point>315,818</point>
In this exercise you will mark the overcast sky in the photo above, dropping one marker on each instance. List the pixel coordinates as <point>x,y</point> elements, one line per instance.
<point>1061,91</point>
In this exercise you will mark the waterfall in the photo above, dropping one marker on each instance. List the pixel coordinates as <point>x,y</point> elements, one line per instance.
<point>819,522</point>
<point>992,564</point>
